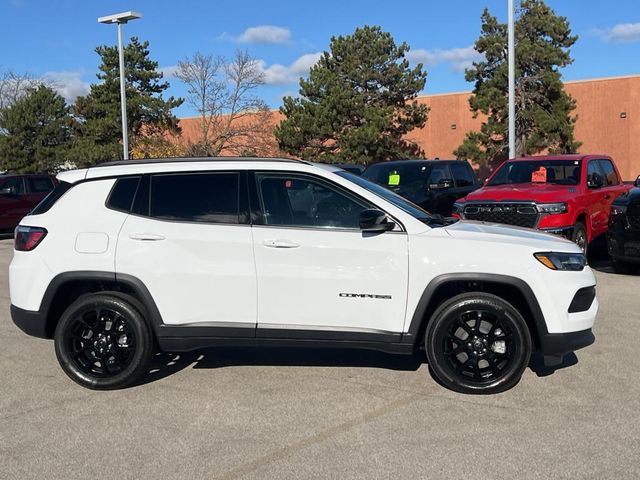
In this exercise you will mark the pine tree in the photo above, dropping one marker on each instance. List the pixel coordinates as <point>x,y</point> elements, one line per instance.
<point>358,103</point>
<point>543,108</point>
<point>148,113</point>
<point>35,132</point>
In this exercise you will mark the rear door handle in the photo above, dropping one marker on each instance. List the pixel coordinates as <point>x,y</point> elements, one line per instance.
<point>149,237</point>
<point>276,243</point>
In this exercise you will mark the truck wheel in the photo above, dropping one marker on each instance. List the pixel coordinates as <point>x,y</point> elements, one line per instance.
<point>579,236</point>
<point>103,342</point>
<point>477,343</point>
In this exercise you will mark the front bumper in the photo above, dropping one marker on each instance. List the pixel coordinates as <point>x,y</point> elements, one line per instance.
<point>624,246</point>
<point>30,322</point>
<point>566,232</point>
<point>558,344</point>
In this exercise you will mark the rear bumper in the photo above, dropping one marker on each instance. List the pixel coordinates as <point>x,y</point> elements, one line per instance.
<point>30,322</point>
<point>557,344</point>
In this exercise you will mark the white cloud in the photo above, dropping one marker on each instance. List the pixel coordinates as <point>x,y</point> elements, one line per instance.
<point>168,71</point>
<point>278,74</point>
<point>261,34</point>
<point>622,32</point>
<point>69,84</point>
<point>458,58</point>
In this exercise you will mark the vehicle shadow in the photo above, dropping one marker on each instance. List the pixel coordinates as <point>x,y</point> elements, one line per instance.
<point>599,260</point>
<point>165,364</point>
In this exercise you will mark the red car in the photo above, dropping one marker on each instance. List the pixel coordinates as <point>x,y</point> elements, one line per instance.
<point>570,195</point>
<point>19,194</point>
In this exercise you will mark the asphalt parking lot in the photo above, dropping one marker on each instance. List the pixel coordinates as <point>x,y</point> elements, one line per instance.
<point>227,414</point>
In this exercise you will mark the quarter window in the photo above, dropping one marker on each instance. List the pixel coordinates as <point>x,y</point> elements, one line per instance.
<point>122,194</point>
<point>303,202</point>
<point>195,197</point>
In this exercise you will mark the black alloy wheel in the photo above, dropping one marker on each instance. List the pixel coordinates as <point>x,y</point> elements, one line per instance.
<point>477,343</point>
<point>103,342</point>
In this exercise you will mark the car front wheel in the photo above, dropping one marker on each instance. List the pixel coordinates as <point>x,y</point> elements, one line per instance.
<point>103,342</point>
<point>477,343</point>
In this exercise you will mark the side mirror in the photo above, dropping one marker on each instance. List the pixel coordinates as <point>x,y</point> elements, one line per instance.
<point>372,220</point>
<point>637,182</point>
<point>596,181</point>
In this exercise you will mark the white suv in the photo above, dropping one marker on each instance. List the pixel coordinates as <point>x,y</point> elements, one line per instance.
<point>193,253</point>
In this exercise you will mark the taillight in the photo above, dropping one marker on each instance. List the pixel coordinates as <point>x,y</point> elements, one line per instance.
<point>28,238</point>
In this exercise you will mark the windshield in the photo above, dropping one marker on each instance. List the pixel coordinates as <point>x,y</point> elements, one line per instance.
<point>557,172</point>
<point>389,196</point>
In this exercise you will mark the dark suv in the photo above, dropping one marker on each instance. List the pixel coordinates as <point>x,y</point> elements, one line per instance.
<point>19,194</point>
<point>432,184</point>
<point>623,237</point>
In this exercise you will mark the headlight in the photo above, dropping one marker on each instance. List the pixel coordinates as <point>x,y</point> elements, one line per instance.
<point>562,261</point>
<point>457,208</point>
<point>552,208</point>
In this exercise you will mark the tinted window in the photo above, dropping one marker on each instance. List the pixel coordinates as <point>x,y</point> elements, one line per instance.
<point>122,194</point>
<point>462,174</point>
<point>48,201</point>
<point>393,198</point>
<point>594,174</point>
<point>439,173</point>
<point>406,179</point>
<point>39,184</point>
<point>303,202</point>
<point>610,174</point>
<point>196,197</point>
<point>559,172</point>
<point>12,186</point>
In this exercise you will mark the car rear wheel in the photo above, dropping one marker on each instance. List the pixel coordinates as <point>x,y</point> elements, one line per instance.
<point>579,236</point>
<point>477,343</point>
<point>103,342</point>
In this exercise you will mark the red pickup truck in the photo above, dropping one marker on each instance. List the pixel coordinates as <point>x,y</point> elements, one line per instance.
<point>570,195</point>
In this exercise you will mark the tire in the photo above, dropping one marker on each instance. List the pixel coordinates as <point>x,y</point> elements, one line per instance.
<point>103,342</point>
<point>579,236</point>
<point>483,357</point>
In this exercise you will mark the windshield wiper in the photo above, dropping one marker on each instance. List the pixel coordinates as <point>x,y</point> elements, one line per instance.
<point>437,220</point>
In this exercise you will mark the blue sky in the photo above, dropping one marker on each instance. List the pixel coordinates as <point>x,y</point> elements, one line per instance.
<point>57,38</point>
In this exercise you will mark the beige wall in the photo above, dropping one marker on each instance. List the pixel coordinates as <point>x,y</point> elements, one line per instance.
<point>599,126</point>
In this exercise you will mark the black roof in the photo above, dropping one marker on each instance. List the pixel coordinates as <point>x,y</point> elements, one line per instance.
<point>414,162</point>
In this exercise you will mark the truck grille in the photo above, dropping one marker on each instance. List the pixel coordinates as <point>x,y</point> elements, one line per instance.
<point>519,214</point>
<point>633,216</point>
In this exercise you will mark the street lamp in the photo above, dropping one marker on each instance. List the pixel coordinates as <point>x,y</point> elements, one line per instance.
<point>120,19</point>
<point>512,83</point>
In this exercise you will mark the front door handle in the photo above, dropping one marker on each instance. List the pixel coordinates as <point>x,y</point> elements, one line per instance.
<point>276,243</point>
<point>607,196</point>
<point>149,237</point>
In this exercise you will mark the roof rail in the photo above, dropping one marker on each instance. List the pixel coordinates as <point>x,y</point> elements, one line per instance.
<point>142,161</point>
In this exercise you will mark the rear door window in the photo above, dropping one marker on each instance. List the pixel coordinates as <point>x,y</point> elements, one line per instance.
<point>210,197</point>
<point>439,175</point>
<point>39,184</point>
<point>462,174</point>
<point>610,175</point>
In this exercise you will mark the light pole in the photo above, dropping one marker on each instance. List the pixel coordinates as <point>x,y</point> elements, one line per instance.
<point>120,19</point>
<point>512,84</point>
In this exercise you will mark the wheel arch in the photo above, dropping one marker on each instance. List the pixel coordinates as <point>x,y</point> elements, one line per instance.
<point>67,287</point>
<point>512,289</point>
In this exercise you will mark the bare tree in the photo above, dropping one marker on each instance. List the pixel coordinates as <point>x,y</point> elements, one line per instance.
<point>14,86</point>
<point>232,118</point>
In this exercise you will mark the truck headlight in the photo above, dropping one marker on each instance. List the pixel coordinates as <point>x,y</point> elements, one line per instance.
<point>552,208</point>
<point>573,262</point>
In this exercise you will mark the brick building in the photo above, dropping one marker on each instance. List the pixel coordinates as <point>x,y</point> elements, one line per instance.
<point>608,111</point>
